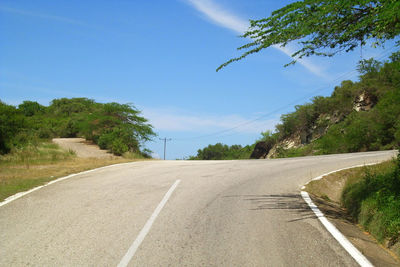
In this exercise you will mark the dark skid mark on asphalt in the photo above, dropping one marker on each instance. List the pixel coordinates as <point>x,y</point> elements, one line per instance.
<point>290,202</point>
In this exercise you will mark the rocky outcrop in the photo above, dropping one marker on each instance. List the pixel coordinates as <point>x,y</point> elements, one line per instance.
<point>287,143</point>
<point>364,102</point>
<point>299,139</point>
<point>261,150</point>
<point>315,130</point>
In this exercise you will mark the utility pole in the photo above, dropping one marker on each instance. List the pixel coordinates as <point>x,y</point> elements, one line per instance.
<point>165,144</point>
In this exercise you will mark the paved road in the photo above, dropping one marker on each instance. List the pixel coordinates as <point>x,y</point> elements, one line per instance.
<point>223,213</point>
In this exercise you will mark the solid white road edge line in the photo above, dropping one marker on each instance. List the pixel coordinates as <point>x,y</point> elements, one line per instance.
<point>21,194</point>
<point>346,244</point>
<point>353,251</point>
<point>146,228</point>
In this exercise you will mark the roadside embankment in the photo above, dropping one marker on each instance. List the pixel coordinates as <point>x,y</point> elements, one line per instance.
<point>31,166</point>
<point>361,203</point>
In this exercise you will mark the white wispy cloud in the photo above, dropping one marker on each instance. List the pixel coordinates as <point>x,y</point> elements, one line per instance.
<point>225,18</point>
<point>220,16</point>
<point>180,120</point>
<point>41,15</point>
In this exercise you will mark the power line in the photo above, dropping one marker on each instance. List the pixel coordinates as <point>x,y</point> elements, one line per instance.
<point>339,78</point>
<point>266,114</point>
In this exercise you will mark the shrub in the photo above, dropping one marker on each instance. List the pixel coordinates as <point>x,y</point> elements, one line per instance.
<point>105,140</point>
<point>221,151</point>
<point>30,108</point>
<point>374,201</point>
<point>68,129</point>
<point>101,123</point>
<point>118,147</point>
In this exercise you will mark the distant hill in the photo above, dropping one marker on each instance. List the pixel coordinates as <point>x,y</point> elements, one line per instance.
<point>358,116</point>
<point>116,127</point>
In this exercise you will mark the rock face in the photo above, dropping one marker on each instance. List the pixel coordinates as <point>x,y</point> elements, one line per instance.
<point>294,141</point>
<point>364,102</point>
<point>317,128</point>
<point>261,150</point>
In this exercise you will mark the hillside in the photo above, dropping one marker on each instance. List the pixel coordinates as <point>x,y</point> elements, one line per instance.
<point>358,116</point>
<point>82,148</point>
<point>116,127</point>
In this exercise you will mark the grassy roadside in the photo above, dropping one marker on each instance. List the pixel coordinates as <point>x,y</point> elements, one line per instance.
<point>32,166</point>
<point>374,201</point>
<point>370,195</point>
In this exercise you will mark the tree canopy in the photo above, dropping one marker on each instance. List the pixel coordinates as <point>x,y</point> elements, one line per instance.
<point>324,28</point>
<point>221,151</point>
<point>113,126</point>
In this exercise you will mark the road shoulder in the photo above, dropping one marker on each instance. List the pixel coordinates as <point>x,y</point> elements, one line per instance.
<point>325,193</point>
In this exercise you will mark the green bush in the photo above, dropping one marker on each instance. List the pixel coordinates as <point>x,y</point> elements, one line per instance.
<point>118,147</point>
<point>101,123</point>
<point>68,129</point>
<point>30,108</point>
<point>45,133</point>
<point>374,202</point>
<point>105,140</point>
<point>12,122</point>
<point>295,152</point>
<point>221,151</point>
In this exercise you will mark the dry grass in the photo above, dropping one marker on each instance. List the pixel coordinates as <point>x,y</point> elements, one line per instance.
<point>30,167</point>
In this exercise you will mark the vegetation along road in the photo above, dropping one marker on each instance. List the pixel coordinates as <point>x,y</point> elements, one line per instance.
<point>177,213</point>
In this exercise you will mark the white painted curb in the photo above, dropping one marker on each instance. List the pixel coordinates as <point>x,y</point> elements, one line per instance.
<point>343,241</point>
<point>342,169</point>
<point>21,194</point>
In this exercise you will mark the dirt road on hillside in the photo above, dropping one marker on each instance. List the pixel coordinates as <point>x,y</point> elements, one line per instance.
<point>82,148</point>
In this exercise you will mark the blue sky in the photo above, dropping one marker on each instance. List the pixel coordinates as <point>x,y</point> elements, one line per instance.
<point>161,56</point>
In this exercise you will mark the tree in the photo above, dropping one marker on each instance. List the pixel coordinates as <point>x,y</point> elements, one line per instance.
<point>369,66</point>
<point>324,28</point>
<point>68,106</point>
<point>221,151</point>
<point>12,122</point>
<point>116,127</point>
<point>30,108</point>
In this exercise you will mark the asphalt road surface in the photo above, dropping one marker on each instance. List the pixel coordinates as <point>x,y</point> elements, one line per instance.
<point>222,213</point>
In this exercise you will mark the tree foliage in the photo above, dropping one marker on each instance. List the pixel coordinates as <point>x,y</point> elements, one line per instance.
<point>332,124</point>
<point>12,122</point>
<point>374,201</point>
<point>221,151</point>
<point>116,127</point>
<point>324,28</point>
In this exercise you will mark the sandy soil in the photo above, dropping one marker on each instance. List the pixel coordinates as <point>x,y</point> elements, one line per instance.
<point>82,148</point>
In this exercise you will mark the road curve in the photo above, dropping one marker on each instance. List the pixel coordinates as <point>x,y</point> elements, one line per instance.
<point>222,213</point>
